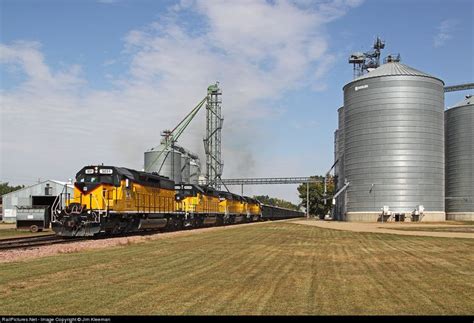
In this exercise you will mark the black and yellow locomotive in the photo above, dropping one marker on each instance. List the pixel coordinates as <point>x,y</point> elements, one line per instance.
<point>113,200</point>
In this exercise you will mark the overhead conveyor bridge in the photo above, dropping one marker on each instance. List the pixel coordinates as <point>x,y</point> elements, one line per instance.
<point>459,87</point>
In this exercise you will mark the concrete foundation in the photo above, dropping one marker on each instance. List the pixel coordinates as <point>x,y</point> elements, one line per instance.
<point>377,217</point>
<point>460,216</point>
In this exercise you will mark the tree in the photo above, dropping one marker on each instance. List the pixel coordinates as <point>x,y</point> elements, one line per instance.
<point>5,188</point>
<point>316,196</point>
<point>265,199</point>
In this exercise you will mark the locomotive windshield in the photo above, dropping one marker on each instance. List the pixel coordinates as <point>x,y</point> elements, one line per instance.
<point>104,179</point>
<point>186,190</point>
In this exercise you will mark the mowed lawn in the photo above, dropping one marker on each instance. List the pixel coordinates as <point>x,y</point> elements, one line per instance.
<point>14,233</point>
<point>271,268</point>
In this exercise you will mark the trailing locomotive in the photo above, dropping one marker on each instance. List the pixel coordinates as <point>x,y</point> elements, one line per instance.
<point>113,200</point>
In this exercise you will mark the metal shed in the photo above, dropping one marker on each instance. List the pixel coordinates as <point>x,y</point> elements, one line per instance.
<point>40,194</point>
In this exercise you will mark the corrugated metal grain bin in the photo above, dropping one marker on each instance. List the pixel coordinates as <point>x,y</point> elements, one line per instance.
<point>394,143</point>
<point>185,168</point>
<point>194,171</point>
<point>459,121</point>
<point>165,160</point>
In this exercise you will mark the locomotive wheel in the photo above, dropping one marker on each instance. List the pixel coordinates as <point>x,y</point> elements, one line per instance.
<point>34,228</point>
<point>179,225</point>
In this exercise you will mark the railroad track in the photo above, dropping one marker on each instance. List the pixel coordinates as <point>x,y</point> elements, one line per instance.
<point>30,242</point>
<point>38,241</point>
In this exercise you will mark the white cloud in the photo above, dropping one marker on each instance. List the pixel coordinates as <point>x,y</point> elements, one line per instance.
<point>40,78</point>
<point>54,122</point>
<point>445,32</point>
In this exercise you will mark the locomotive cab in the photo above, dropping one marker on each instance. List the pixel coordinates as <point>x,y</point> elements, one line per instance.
<point>186,190</point>
<point>86,182</point>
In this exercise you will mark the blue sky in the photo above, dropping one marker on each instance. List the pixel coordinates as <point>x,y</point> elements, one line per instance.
<point>95,81</point>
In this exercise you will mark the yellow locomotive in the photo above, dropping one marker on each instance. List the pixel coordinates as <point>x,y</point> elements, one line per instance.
<point>199,205</point>
<point>110,199</point>
<point>114,200</point>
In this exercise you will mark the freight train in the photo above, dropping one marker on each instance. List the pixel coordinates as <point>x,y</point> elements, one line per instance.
<point>114,200</point>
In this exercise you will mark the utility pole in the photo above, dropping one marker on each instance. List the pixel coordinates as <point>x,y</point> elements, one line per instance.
<point>307,200</point>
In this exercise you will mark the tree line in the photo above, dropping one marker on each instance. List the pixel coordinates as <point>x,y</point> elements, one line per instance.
<point>317,204</point>
<point>5,188</point>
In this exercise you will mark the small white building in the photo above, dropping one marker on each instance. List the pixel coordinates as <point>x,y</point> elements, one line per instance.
<point>40,194</point>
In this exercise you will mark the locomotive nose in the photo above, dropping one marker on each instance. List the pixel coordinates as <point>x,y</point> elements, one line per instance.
<point>71,223</point>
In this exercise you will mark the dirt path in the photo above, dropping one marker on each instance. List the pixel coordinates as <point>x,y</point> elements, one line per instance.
<point>387,228</point>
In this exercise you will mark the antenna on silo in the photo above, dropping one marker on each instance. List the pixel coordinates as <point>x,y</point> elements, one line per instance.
<point>392,58</point>
<point>365,62</point>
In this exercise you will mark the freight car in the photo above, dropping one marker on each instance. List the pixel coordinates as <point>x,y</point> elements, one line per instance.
<point>270,212</point>
<point>113,200</point>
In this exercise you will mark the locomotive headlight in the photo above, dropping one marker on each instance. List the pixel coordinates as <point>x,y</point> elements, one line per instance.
<point>89,212</point>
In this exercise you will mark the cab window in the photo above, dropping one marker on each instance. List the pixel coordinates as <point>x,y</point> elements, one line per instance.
<point>106,179</point>
<point>87,179</point>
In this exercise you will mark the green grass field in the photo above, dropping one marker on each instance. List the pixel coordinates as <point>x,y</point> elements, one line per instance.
<point>14,233</point>
<point>272,268</point>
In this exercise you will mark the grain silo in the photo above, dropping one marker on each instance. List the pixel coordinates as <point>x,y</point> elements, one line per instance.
<point>164,160</point>
<point>185,167</point>
<point>194,171</point>
<point>394,145</point>
<point>459,122</point>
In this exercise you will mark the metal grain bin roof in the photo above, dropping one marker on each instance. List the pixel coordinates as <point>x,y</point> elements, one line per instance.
<point>393,69</point>
<point>469,100</point>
